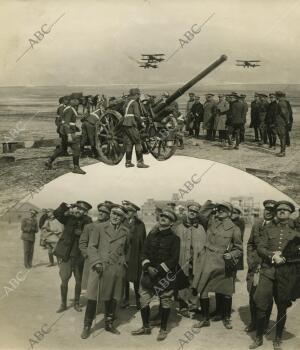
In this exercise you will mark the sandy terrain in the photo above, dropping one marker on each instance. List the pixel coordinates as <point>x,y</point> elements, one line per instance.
<point>32,305</point>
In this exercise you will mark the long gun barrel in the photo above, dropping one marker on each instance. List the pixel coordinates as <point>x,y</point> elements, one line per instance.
<point>159,109</point>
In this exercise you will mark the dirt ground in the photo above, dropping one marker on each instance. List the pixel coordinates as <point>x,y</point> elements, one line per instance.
<point>31,306</point>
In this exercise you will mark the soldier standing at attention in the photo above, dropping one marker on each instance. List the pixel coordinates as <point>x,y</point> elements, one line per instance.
<point>70,260</point>
<point>255,117</point>
<point>209,111</point>
<point>254,261</point>
<point>221,116</point>
<point>131,123</point>
<point>235,119</point>
<point>29,228</point>
<point>69,129</point>
<point>197,112</point>
<point>63,102</point>
<point>137,236</point>
<point>262,112</point>
<point>275,237</point>
<point>289,129</point>
<point>270,120</point>
<point>243,100</point>
<point>283,122</point>
<point>188,116</point>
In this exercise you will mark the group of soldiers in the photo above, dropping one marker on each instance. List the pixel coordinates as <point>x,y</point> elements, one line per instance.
<point>188,253</point>
<point>271,116</point>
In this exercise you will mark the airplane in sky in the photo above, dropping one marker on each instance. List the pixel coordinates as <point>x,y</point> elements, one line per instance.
<point>247,63</point>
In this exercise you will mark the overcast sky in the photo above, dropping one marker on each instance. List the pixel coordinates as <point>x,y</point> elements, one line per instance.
<point>160,181</point>
<point>93,40</point>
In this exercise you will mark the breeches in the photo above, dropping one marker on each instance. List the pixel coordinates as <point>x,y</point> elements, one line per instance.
<point>66,268</point>
<point>165,297</point>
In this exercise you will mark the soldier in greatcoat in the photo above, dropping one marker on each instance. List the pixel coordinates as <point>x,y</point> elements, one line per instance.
<point>223,244</point>
<point>137,236</point>
<point>274,239</point>
<point>283,122</point>
<point>103,216</point>
<point>254,261</point>
<point>209,112</point>
<point>255,117</point>
<point>63,103</point>
<point>220,120</point>
<point>107,251</point>
<point>192,239</point>
<point>70,260</point>
<point>29,228</point>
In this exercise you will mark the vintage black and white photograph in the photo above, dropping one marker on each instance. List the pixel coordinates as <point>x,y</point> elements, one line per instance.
<point>149,174</point>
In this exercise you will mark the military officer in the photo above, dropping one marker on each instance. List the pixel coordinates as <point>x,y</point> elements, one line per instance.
<point>69,129</point>
<point>137,236</point>
<point>282,121</point>
<point>74,217</point>
<point>160,258</point>
<point>63,102</point>
<point>107,253</point>
<point>255,116</point>
<point>103,216</point>
<point>223,244</point>
<point>270,120</point>
<point>197,115</point>
<point>209,112</point>
<point>242,98</point>
<point>254,261</point>
<point>221,116</point>
<point>262,112</point>
<point>131,123</point>
<point>29,228</point>
<point>275,237</point>
<point>88,128</point>
<point>192,239</point>
<point>188,115</point>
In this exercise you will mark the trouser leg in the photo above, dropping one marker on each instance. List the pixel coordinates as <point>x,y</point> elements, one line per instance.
<point>136,286</point>
<point>252,307</point>
<point>126,291</point>
<point>139,153</point>
<point>51,258</point>
<point>204,304</point>
<point>26,246</point>
<point>164,318</point>
<point>256,134</point>
<point>287,137</point>
<point>281,320</point>
<point>30,254</point>
<point>145,314</point>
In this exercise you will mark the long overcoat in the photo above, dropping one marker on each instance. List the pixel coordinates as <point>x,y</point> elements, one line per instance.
<point>108,246</point>
<point>212,276</point>
<point>209,112</point>
<point>137,236</point>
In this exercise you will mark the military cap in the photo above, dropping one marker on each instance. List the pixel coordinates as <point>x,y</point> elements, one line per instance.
<point>237,209</point>
<point>226,205</point>
<point>74,101</point>
<point>191,94</point>
<point>263,95</point>
<point>269,204</point>
<point>169,214</point>
<point>234,94</point>
<point>109,204</point>
<point>171,204</point>
<point>197,97</point>
<point>242,95</point>
<point>83,205</point>
<point>33,211</point>
<point>180,207</point>
<point>279,94</point>
<point>209,94</point>
<point>272,94</point>
<point>119,210</point>
<point>256,94</point>
<point>130,206</point>
<point>195,207</point>
<point>134,91</point>
<point>221,95</point>
<point>143,97</point>
<point>158,209</point>
<point>102,207</point>
<point>285,205</point>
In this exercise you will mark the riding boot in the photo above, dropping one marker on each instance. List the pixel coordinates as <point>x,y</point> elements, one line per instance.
<point>136,286</point>
<point>139,157</point>
<point>51,259</point>
<point>63,293</point>
<point>268,316</point>
<point>77,169</point>
<point>110,312</point>
<point>145,329</point>
<point>125,302</point>
<point>218,313</point>
<point>260,327</point>
<point>89,316</point>
<point>204,304</point>
<point>162,335</point>
<point>227,312</point>
<point>129,163</point>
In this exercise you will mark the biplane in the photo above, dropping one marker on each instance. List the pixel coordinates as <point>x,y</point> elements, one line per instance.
<point>247,63</point>
<point>154,57</point>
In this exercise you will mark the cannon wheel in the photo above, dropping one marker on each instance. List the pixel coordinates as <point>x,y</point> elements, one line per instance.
<point>109,140</point>
<point>162,141</point>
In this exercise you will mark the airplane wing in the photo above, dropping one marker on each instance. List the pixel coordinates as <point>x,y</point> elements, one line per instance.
<point>253,61</point>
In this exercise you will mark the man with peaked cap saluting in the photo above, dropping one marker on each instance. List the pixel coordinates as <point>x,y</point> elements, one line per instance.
<point>29,228</point>
<point>68,129</point>
<point>131,123</point>
<point>192,239</point>
<point>103,216</point>
<point>159,260</point>
<point>223,244</point>
<point>137,236</point>
<point>74,217</point>
<point>107,253</point>
<point>254,261</point>
<point>274,238</point>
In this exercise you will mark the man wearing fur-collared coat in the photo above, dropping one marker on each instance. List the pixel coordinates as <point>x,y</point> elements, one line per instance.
<point>223,244</point>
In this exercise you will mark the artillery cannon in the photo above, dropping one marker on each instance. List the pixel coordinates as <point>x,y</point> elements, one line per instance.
<point>160,134</point>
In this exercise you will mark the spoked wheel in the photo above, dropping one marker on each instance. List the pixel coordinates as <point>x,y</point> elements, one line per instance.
<point>109,140</point>
<point>162,141</point>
